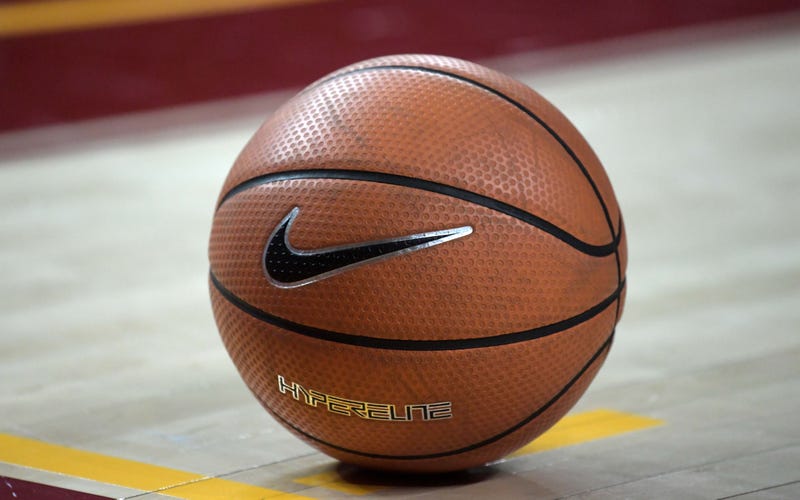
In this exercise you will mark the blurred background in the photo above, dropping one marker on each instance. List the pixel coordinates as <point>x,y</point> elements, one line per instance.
<point>66,60</point>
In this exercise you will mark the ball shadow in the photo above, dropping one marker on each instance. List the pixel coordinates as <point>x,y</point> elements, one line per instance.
<point>360,476</point>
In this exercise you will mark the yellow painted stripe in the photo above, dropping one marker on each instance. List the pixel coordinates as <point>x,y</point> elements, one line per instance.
<point>126,473</point>
<point>333,481</point>
<point>214,488</point>
<point>571,430</point>
<point>588,426</point>
<point>43,16</point>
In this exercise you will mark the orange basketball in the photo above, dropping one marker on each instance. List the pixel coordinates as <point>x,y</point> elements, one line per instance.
<point>417,264</point>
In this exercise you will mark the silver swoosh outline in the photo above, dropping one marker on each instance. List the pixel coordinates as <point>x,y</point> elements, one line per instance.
<point>446,235</point>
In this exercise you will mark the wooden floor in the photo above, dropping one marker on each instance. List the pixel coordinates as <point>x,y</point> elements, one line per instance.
<point>113,379</point>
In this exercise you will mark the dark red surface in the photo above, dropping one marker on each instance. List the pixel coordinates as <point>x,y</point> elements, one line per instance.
<point>75,75</point>
<point>18,489</point>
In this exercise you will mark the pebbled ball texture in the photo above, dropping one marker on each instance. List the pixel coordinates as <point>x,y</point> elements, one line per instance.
<point>447,356</point>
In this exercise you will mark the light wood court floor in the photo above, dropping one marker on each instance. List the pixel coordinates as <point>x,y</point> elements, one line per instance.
<point>113,379</point>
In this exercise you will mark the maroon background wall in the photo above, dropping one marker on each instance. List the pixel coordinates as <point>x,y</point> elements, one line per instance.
<point>73,75</point>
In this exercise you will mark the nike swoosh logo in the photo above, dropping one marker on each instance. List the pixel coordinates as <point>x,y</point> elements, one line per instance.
<point>288,267</point>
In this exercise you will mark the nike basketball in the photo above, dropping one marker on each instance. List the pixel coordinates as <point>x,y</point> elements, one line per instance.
<point>417,264</point>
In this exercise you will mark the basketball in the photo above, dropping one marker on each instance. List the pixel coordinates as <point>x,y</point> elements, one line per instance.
<point>417,264</point>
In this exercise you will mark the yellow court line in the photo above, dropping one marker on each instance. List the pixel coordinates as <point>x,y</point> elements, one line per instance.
<point>331,480</point>
<point>588,426</point>
<point>47,16</point>
<point>25,452</point>
<point>126,473</point>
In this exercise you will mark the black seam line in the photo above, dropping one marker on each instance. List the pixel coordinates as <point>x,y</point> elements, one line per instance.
<point>434,187</point>
<point>506,98</point>
<point>415,345</point>
<point>603,348</point>
<point>620,234</point>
